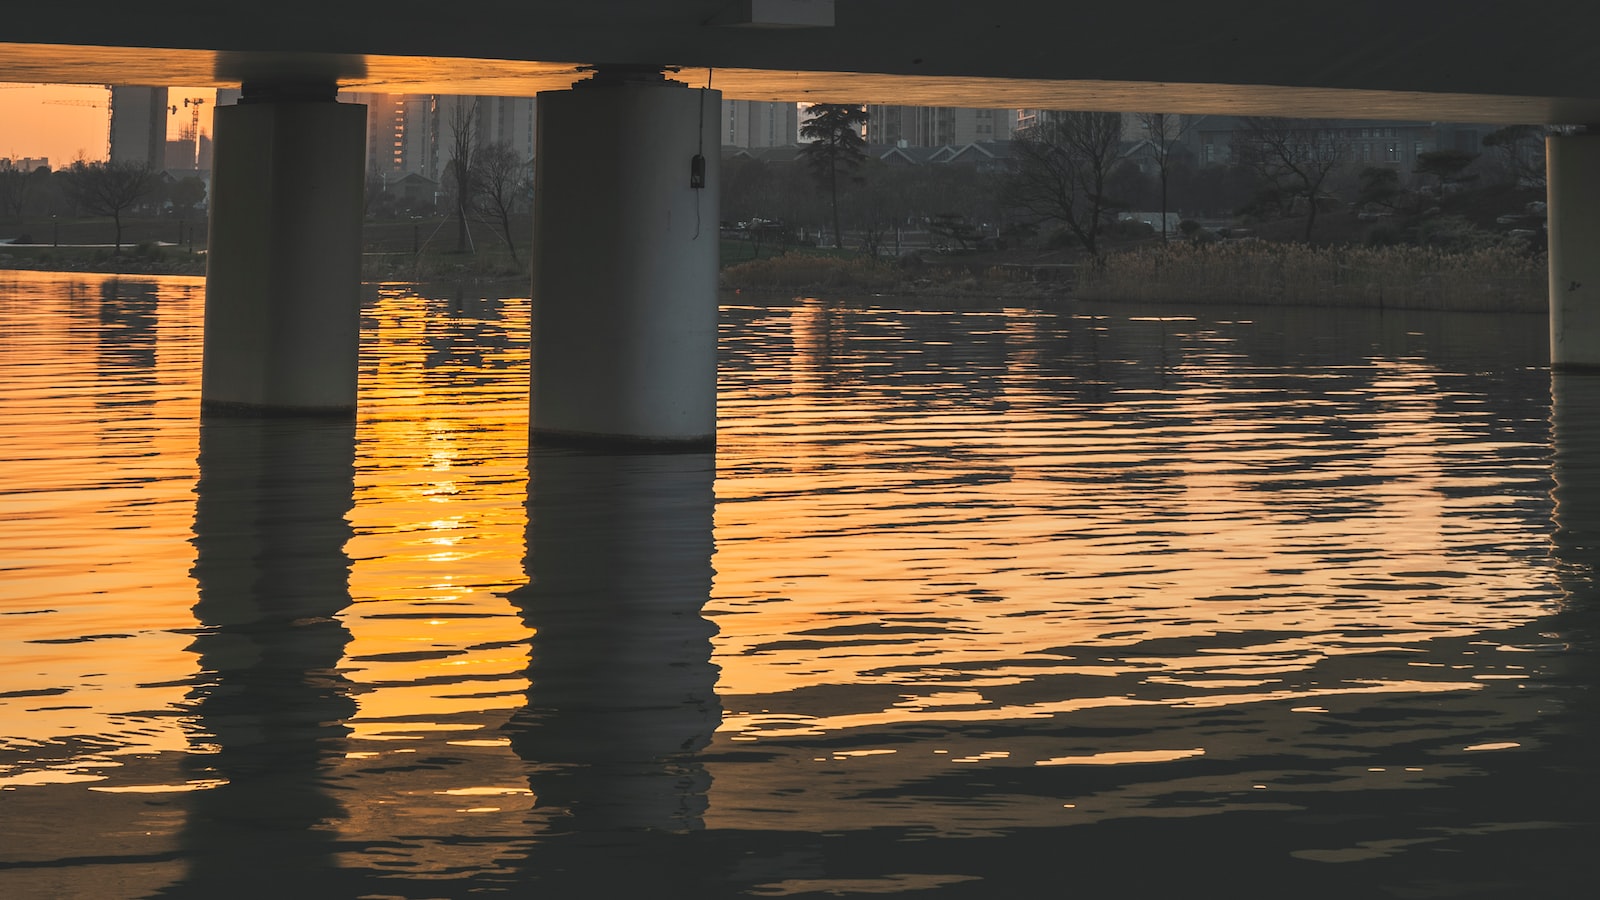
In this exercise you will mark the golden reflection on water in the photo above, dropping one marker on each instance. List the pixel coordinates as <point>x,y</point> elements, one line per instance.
<point>97,501</point>
<point>438,517</point>
<point>1028,544</point>
<point>992,541</point>
<point>997,531</point>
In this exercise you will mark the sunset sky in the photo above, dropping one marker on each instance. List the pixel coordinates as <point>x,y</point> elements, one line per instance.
<point>62,122</point>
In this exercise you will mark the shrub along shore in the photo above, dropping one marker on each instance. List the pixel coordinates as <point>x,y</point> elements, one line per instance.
<point>1502,278</point>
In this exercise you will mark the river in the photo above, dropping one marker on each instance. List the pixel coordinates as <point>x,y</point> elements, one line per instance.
<point>971,600</point>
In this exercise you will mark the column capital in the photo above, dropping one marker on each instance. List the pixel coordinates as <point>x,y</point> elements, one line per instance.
<point>289,91</point>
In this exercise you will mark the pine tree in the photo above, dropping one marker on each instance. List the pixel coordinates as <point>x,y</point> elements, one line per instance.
<point>834,130</point>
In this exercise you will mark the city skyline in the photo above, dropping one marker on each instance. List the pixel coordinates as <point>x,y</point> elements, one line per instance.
<point>63,122</point>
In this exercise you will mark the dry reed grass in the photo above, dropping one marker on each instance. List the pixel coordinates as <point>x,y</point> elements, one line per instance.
<point>793,271</point>
<point>1499,278</point>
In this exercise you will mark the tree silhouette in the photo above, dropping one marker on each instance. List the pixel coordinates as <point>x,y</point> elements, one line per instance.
<point>14,190</point>
<point>462,167</point>
<point>186,194</point>
<point>1520,149</point>
<point>1166,133</point>
<point>834,131</point>
<point>1060,168</point>
<point>1445,165</point>
<point>1295,157</point>
<point>504,178</point>
<point>108,189</point>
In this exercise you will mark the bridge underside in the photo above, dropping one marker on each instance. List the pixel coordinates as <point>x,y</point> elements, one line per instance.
<point>70,64</point>
<point>64,64</point>
<point>1471,61</point>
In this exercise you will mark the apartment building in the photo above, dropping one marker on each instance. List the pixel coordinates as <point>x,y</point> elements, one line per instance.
<point>753,123</point>
<point>139,125</point>
<point>937,126</point>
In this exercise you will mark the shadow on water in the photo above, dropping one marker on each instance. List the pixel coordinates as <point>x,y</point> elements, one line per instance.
<point>622,689</point>
<point>1575,547</point>
<point>1575,432</point>
<point>129,312</point>
<point>269,533</point>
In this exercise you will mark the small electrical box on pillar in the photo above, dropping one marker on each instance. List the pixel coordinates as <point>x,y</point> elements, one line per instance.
<point>697,172</point>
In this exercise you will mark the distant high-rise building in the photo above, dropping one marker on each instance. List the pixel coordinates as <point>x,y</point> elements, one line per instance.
<point>509,121</point>
<point>399,133</point>
<point>754,123</point>
<point>411,133</point>
<point>180,154</point>
<point>139,125</point>
<point>1129,126</point>
<point>24,164</point>
<point>937,126</point>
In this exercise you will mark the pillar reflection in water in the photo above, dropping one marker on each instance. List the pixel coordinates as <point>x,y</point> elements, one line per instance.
<point>270,530</point>
<point>1575,434</point>
<point>622,688</point>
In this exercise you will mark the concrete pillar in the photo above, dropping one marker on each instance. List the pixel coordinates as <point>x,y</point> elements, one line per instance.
<point>1573,179</point>
<point>625,263</point>
<point>283,277</point>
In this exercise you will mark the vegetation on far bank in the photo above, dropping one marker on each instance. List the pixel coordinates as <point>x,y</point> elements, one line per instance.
<point>144,258</point>
<point>1498,278</point>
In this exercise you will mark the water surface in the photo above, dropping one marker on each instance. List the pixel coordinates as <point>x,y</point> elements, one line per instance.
<point>968,601</point>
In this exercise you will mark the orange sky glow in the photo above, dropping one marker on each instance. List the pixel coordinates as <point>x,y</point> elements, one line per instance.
<point>63,122</point>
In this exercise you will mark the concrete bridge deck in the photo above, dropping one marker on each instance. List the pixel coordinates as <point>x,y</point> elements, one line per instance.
<point>1466,61</point>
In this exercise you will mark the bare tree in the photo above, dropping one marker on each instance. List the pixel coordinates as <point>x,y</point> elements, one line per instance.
<point>504,179</point>
<point>1166,132</point>
<point>1294,157</point>
<point>1519,149</point>
<point>108,189</point>
<point>14,190</point>
<point>376,186</point>
<point>1060,169</point>
<point>462,167</point>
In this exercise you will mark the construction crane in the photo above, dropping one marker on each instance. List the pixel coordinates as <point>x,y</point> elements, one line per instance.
<point>194,117</point>
<point>75,103</point>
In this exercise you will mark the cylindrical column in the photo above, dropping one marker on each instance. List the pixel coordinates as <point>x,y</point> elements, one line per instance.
<point>625,264</point>
<point>283,277</point>
<point>1573,178</point>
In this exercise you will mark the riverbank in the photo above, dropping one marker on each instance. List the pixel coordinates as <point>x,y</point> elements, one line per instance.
<point>135,259</point>
<point>1502,278</point>
<point>991,275</point>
